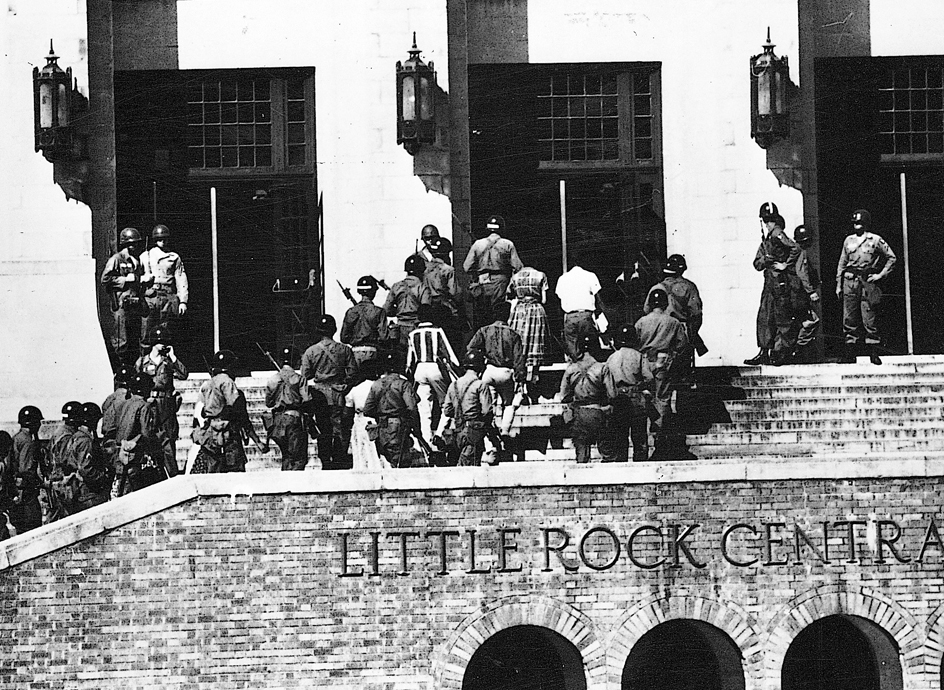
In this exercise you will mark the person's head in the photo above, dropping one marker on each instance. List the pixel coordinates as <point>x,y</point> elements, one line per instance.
<point>475,361</point>
<point>391,362</point>
<point>130,239</point>
<point>72,412</point>
<point>160,236</point>
<point>658,299</point>
<point>424,312</point>
<point>371,369</point>
<point>122,376</point>
<point>768,209</point>
<point>861,221</point>
<point>414,265</point>
<point>429,233</point>
<point>91,414</point>
<point>626,336</point>
<point>367,286</point>
<point>675,265</point>
<point>502,311</point>
<point>160,340</point>
<point>30,418</point>
<point>775,221</point>
<point>440,247</point>
<point>326,326</point>
<point>802,235</point>
<point>494,224</point>
<point>142,384</point>
<point>286,356</point>
<point>223,361</point>
<point>587,344</point>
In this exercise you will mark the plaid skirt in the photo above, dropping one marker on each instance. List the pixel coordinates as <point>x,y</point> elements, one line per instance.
<point>530,321</point>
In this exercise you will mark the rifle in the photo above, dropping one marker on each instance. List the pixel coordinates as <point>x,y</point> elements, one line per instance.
<point>383,284</point>
<point>347,293</point>
<point>268,356</point>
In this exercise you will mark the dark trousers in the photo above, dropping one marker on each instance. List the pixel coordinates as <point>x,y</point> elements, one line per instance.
<point>780,302</point>
<point>27,515</point>
<point>230,458</point>
<point>125,335</point>
<point>576,325</point>
<point>470,439</point>
<point>288,432</point>
<point>335,430</point>
<point>160,311</point>
<point>166,408</point>
<point>860,300</point>
<point>627,421</point>
<point>393,441</point>
<point>588,428</point>
<point>485,300</point>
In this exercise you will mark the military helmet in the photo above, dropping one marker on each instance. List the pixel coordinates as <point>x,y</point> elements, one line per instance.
<point>802,234</point>
<point>862,217</point>
<point>440,246</point>
<point>586,343</point>
<point>413,264</point>
<point>123,375</point>
<point>675,264</point>
<point>91,413</point>
<point>475,359</point>
<point>141,383</point>
<point>286,355</point>
<point>768,209</point>
<point>326,324</point>
<point>223,360</point>
<point>658,299</point>
<point>160,232</point>
<point>429,232</point>
<point>160,335</point>
<point>366,284</point>
<point>72,411</point>
<point>29,416</point>
<point>128,236</point>
<point>495,223</point>
<point>626,336</point>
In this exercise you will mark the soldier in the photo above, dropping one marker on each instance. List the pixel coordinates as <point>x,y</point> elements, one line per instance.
<point>26,513</point>
<point>809,279</point>
<point>505,363</point>
<point>429,360</point>
<point>428,234</point>
<point>577,290</point>
<point>7,482</point>
<point>441,291</point>
<point>163,366</point>
<point>329,368</point>
<point>404,300</point>
<point>167,289</point>
<point>490,263</point>
<point>864,261</point>
<point>86,460</point>
<point>776,257</point>
<point>140,461</point>
<point>285,392</point>
<point>365,324</point>
<point>528,317</point>
<point>661,338</point>
<point>392,402</point>
<point>122,278</point>
<point>626,381</point>
<point>469,405</point>
<point>584,388</point>
<point>58,498</point>
<point>685,305</point>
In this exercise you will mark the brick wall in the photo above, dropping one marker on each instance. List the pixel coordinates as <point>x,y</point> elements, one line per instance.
<point>229,582</point>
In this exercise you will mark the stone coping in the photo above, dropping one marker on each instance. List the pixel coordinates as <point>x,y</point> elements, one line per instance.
<point>182,489</point>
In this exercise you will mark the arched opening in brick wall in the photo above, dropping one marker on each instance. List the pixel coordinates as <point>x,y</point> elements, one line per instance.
<point>525,656</point>
<point>684,654</point>
<point>842,652</point>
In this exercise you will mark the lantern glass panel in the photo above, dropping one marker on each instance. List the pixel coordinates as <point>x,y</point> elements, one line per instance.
<point>46,104</point>
<point>409,99</point>
<point>426,100</point>
<point>763,93</point>
<point>62,105</point>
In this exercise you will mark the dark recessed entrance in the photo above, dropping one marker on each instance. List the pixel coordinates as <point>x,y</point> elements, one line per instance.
<point>684,655</point>
<point>525,657</point>
<point>842,653</point>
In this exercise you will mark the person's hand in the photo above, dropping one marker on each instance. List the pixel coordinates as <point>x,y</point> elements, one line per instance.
<point>872,278</point>
<point>814,297</point>
<point>169,351</point>
<point>838,289</point>
<point>130,278</point>
<point>182,309</point>
<point>780,266</point>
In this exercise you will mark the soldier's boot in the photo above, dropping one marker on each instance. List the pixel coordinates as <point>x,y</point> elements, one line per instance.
<point>873,355</point>
<point>777,358</point>
<point>849,352</point>
<point>762,357</point>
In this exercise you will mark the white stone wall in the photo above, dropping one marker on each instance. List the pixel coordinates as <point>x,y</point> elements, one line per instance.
<point>374,206</point>
<point>715,175</point>
<point>52,349</point>
<point>906,27</point>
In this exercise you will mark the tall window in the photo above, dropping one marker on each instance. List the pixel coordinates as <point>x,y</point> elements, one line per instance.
<point>911,112</point>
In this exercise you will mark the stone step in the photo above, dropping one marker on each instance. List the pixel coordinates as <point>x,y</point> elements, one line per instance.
<point>819,436</point>
<point>890,379</point>
<point>873,402</point>
<point>857,391</point>
<point>803,450</point>
<point>804,424</point>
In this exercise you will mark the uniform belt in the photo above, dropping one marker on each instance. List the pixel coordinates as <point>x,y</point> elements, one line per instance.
<point>494,272</point>
<point>579,311</point>
<point>160,394</point>
<point>163,287</point>
<point>857,272</point>
<point>291,413</point>
<point>363,348</point>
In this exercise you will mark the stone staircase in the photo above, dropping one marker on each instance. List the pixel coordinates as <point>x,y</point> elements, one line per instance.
<point>802,411</point>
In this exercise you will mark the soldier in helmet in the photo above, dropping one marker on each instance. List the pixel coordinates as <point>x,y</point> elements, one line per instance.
<point>167,287</point>
<point>627,384</point>
<point>441,291</point>
<point>403,302</point>
<point>140,461</point>
<point>865,260</point>
<point>490,263</point>
<point>122,279</point>
<point>57,497</point>
<point>329,368</point>
<point>809,280</point>
<point>584,388</point>
<point>428,234</point>
<point>776,257</point>
<point>87,461</point>
<point>469,404</point>
<point>365,324</point>
<point>685,305</point>
<point>285,395</point>
<point>26,513</point>
<point>163,366</point>
<point>7,483</point>
<point>392,402</point>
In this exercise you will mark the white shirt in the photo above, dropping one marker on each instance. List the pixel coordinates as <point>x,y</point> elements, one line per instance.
<point>576,290</point>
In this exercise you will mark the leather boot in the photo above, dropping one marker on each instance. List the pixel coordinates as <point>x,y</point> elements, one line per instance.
<point>762,357</point>
<point>873,355</point>
<point>849,352</point>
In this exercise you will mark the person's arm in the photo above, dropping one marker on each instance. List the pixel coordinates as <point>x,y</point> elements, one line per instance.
<point>450,403</point>
<point>514,259</point>
<point>760,258</point>
<point>446,346</point>
<point>347,325</point>
<point>373,399</point>
<point>890,260</point>
<point>383,332</point>
<point>792,246</point>
<point>477,342</point>
<point>178,368</point>
<point>413,413</point>
<point>350,368</point>
<point>840,267</point>
<point>183,285</point>
<point>471,259</point>
<point>695,312</point>
<point>567,386</point>
<point>272,390</point>
<point>485,399</point>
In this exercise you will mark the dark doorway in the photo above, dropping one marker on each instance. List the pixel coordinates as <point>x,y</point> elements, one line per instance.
<point>684,655</point>
<point>525,657</point>
<point>842,653</point>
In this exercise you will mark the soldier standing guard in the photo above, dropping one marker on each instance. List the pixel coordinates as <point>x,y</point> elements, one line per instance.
<point>392,402</point>
<point>285,391</point>
<point>329,368</point>
<point>865,260</point>
<point>626,381</point>
<point>809,279</point>
<point>26,513</point>
<point>162,365</point>
<point>365,324</point>
<point>490,263</point>
<point>685,305</point>
<point>122,278</point>
<point>167,288</point>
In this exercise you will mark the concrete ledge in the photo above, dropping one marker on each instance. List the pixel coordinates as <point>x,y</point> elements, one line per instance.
<point>182,489</point>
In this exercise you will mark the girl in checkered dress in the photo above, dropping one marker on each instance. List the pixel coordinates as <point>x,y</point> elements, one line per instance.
<point>528,288</point>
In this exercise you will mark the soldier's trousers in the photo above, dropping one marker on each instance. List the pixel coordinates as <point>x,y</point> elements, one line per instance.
<point>335,427</point>
<point>470,439</point>
<point>126,335</point>
<point>27,515</point>
<point>860,300</point>
<point>588,427</point>
<point>485,300</point>
<point>288,432</point>
<point>393,441</point>
<point>627,421</point>
<point>576,325</point>
<point>166,408</point>
<point>160,310</point>
<point>230,458</point>
<point>777,314</point>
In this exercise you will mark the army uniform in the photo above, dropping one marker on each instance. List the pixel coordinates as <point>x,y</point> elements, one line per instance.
<point>777,312</point>
<point>469,403</point>
<point>166,293</point>
<point>625,378</point>
<point>505,365</point>
<point>661,338</point>
<point>284,394</point>
<point>221,436</point>
<point>685,305</point>
<point>490,263</point>
<point>809,279</point>
<point>58,496</point>
<point>364,328</point>
<point>140,460</point>
<point>403,303</point>
<point>584,388</point>
<point>85,458</point>
<point>26,513</point>
<point>329,368</point>
<point>441,292</point>
<point>392,402</point>
<point>165,400</point>
<point>122,278</point>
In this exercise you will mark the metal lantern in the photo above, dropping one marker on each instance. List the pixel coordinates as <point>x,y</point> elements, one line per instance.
<point>416,101</point>
<point>770,79</point>
<point>52,109</point>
